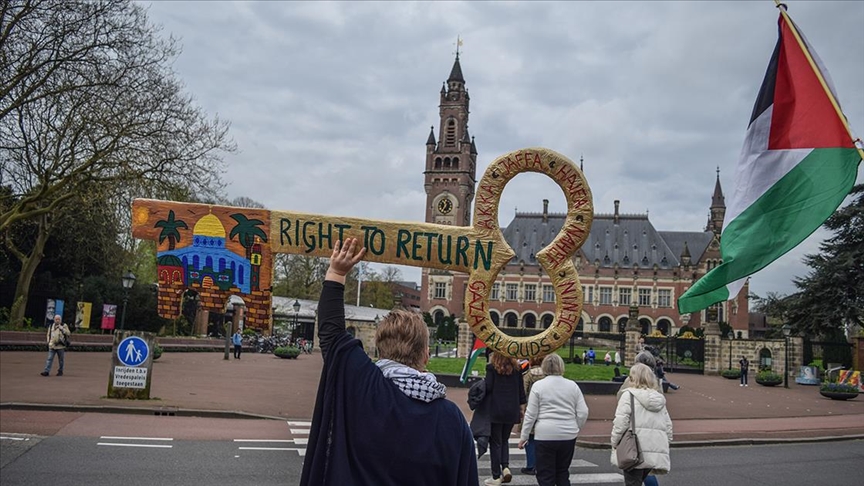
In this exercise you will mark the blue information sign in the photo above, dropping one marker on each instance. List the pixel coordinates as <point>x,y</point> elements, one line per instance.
<point>133,351</point>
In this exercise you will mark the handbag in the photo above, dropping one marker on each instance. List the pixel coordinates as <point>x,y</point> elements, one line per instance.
<point>627,450</point>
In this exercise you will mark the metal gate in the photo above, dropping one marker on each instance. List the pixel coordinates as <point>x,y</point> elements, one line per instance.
<point>679,355</point>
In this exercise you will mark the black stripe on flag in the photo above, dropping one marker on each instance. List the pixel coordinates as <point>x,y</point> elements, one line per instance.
<point>766,93</point>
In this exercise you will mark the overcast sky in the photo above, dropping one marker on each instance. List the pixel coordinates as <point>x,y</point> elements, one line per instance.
<point>331,103</point>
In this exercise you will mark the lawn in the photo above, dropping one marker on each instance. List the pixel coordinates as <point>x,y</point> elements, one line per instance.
<point>453,366</point>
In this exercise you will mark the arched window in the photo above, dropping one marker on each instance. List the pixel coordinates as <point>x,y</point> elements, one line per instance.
<point>605,324</point>
<point>196,262</point>
<point>663,325</point>
<point>241,274</point>
<point>446,162</point>
<point>764,358</point>
<point>622,324</point>
<point>495,317</point>
<point>455,162</point>
<point>510,319</point>
<point>645,323</point>
<point>529,321</point>
<point>437,162</point>
<point>450,134</point>
<point>221,265</point>
<point>437,317</point>
<point>208,262</point>
<point>547,320</point>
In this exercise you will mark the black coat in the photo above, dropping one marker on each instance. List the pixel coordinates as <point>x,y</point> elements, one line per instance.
<point>365,431</point>
<point>505,394</point>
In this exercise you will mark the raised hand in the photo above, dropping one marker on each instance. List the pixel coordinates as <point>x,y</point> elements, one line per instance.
<point>343,259</point>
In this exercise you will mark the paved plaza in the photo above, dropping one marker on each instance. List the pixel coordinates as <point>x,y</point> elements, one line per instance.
<point>706,410</point>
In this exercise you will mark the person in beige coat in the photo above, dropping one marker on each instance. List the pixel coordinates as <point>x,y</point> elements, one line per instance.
<point>653,425</point>
<point>56,337</point>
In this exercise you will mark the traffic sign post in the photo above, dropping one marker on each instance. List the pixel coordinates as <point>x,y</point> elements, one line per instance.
<point>131,365</point>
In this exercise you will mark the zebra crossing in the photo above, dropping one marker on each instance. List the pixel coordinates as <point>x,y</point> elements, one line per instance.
<point>296,428</point>
<point>581,471</point>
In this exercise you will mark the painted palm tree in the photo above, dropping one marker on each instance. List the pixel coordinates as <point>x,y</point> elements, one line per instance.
<point>246,231</point>
<point>169,229</point>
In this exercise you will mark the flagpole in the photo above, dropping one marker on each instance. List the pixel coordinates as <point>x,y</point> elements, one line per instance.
<point>815,68</point>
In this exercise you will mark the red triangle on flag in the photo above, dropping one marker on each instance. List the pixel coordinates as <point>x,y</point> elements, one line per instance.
<point>803,116</point>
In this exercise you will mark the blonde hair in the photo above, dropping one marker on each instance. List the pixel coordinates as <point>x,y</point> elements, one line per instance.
<point>402,336</point>
<point>504,365</point>
<point>641,376</point>
<point>553,365</point>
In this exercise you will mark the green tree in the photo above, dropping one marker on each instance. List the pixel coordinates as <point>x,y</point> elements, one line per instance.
<point>831,297</point>
<point>88,99</point>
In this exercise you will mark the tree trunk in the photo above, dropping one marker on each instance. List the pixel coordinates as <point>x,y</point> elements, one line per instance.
<point>29,263</point>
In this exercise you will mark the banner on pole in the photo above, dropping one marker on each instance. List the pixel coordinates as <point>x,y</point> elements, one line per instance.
<point>109,313</point>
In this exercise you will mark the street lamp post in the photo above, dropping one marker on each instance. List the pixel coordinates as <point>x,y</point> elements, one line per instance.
<point>128,281</point>
<point>296,313</point>
<point>787,329</point>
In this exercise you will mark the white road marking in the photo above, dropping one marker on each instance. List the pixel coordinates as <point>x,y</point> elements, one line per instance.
<point>523,480</point>
<point>134,438</point>
<point>300,424</point>
<point>301,452</point>
<point>134,445</point>
<point>576,462</point>
<point>14,438</point>
<point>300,431</point>
<point>264,440</point>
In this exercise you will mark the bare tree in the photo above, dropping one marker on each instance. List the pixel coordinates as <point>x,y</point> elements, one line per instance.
<point>88,99</point>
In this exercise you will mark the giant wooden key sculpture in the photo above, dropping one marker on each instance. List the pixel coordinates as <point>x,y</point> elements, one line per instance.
<point>217,265</point>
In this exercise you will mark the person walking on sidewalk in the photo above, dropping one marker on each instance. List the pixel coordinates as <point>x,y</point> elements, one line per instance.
<point>237,339</point>
<point>506,391</point>
<point>556,413</point>
<point>58,336</point>
<point>745,367</point>
<point>652,423</point>
<point>384,422</point>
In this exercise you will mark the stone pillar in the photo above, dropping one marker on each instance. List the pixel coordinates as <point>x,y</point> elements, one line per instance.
<point>713,348</point>
<point>466,340</point>
<point>632,333</point>
<point>796,356</point>
<point>202,317</point>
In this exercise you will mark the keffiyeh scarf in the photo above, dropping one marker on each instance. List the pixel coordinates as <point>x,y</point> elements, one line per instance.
<point>417,385</point>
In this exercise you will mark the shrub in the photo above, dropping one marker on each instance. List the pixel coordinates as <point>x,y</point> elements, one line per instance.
<point>731,374</point>
<point>769,376</point>
<point>157,351</point>
<point>287,352</point>
<point>838,388</point>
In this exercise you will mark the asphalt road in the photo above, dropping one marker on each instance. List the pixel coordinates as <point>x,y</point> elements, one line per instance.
<point>101,449</point>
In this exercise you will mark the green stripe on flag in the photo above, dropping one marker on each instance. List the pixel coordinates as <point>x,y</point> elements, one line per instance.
<point>788,212</point>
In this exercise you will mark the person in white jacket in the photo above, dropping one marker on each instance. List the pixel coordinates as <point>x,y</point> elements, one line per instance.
<point>556,412</point>
<point>653,425</point>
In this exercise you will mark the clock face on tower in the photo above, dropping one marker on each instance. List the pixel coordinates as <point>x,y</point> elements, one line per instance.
<point>445,206</point>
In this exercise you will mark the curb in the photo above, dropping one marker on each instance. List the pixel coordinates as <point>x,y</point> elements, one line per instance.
<point>157,411</point>
<point>184,412</point>
<point>735,442</point>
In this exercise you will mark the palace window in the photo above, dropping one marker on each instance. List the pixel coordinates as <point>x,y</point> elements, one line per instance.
<point>625,295</point>
<point>644,297</point>
<point>496,291</point>
<point>512,292</point>
<point>548,293</point>
<point>530,292</point>
<point>664,297</point>
<point>605,295</point>
<point>440,290</point>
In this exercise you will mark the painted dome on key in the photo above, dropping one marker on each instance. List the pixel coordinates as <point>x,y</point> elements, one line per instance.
<point>209,232</point>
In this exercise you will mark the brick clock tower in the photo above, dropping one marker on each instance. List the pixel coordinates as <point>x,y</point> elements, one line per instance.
<point>449,181</point>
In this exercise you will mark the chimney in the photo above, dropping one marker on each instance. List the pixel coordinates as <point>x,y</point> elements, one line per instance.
<point>615,218</point>
<point>545,210</point>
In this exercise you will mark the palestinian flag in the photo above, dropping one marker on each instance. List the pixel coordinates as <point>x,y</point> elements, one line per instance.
<point>798,163</point>
<point>478,349</point>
